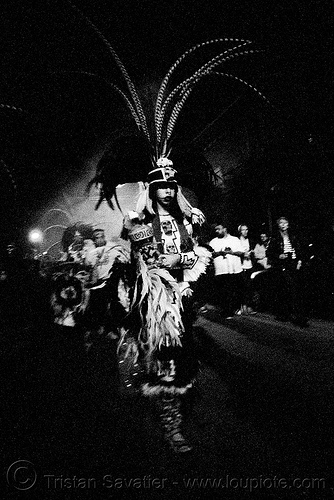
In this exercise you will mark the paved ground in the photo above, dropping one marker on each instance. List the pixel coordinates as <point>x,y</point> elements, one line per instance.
<point>261,422</point>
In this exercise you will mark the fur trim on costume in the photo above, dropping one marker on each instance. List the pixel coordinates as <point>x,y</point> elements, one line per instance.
<point>144,202</point>
<point>123,292</point>
<point>185,289</point>
<point>183,203</point>
<point>197,217</point>
<point>204,257</point>
<point>158,300</point>
<point>154,390</point>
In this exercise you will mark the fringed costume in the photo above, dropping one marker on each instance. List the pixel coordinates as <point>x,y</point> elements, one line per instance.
<point>157,330</point>
<point>154,289</point>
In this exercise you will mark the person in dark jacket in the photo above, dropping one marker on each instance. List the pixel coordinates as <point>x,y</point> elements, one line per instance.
<point>285,254</point>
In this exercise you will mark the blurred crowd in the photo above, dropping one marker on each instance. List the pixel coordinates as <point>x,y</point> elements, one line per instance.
<point>286,272</point>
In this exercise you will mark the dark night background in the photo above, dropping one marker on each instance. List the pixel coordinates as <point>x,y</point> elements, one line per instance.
<point>284,149</point>
<point>265,401</point>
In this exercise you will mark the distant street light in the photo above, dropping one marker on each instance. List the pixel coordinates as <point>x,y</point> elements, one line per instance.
<point>35,236</point>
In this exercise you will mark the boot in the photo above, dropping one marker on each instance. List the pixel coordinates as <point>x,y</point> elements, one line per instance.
<point>171,419</point>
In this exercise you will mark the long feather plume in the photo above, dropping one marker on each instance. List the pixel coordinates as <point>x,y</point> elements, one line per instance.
<point>10,175</point>
<point>162,90</point>
<point>112,87</point>
<point>9,171</point>
<point>172,69</point>
<point>169,103</point>
<point>184,96</point>
<point>128,81</point>
<point>187,86</point>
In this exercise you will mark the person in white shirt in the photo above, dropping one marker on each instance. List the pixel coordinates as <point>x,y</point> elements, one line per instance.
<point>100,260</point>
<point>102,256</point>
<point>247,266</point>
<point>227,253</point>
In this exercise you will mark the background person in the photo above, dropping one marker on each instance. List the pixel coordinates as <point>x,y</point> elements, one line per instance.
<point>227,253</point>
<point>260,252</point>
<point>261,278</point>
<point>98,318</point>
<point>102,256</point>
<point>285,254</point>
<point>247,302</point>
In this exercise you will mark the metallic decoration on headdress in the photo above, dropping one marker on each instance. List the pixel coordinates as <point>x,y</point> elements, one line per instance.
<point>164,162</point>
<point>162,174</point>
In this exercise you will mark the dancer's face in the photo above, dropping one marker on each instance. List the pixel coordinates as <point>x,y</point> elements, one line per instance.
<point>165,194</point>
<point>99,239</point>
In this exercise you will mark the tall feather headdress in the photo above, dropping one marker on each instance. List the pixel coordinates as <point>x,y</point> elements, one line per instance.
<point>130,159</point>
